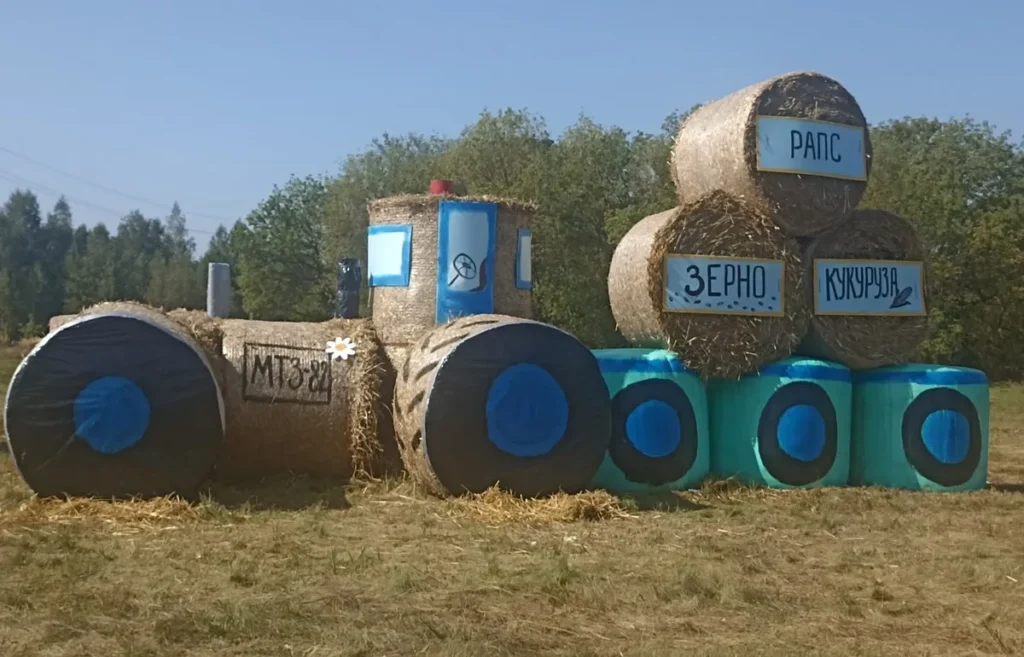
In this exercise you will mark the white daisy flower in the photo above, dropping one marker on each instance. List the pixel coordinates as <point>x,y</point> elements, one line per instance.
<point>341,348</point>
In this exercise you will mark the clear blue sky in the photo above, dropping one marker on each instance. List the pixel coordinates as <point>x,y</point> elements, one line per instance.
<point>212,102</point>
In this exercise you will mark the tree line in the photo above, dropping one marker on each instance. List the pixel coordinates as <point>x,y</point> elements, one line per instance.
<point>960,181</point>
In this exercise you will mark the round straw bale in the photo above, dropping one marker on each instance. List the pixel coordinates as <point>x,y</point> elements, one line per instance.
<point>119,402</point>
<point>296,407</point>
<point>717,148</point>
<point>714,345</point>
<point>402,314</point>
<point>490,399</point>
<point>866,341</point>
<point>58,321</point>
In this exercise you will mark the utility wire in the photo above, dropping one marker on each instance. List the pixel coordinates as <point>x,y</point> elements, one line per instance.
<point>49,191</point>
<point>110,190</point>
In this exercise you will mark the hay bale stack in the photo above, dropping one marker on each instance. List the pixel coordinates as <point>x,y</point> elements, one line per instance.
<point>712,338</point>
<point>789,167</point>
<point>494,400</point>
<point>119,402</point>
<point>58,321</point>
<point>402,313</point>
<point>293,407</point>
<point>881,328</point>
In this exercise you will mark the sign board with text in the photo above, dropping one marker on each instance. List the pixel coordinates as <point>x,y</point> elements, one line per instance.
<point>285,374</point>
<point>813,148</point>
<point>724,286</point>
<point>868,287</point>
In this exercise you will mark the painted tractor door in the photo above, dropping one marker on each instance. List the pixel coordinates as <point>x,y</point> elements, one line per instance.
<point>465,259</point>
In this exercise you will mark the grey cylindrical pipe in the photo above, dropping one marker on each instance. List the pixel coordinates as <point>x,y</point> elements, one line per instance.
<point>218,290</point>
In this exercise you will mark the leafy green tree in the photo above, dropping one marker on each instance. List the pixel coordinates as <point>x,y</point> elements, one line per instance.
<point>57,237</point>
<point>92,275</point>
<point>284,272</point>
<point>139,240</point>
<point>391,166</point>
<point>173,274</point>
<point>20,245</point>
<point>500,155</point>
<point>962,184</point>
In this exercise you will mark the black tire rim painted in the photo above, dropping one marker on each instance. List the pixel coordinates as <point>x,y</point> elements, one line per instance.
<point>185,430</point>
<point>636,466</point>
<point>920,457</point>
<point>455,441</point>
<point>780,465</point>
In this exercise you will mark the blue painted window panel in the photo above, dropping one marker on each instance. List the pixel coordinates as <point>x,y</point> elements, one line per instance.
<point>465,259</point>
<point>389,256</point>
<point>524,260</point>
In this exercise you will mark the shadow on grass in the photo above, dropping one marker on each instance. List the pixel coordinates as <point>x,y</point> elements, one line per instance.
<point>1007,488</point>
<point>283,493</point>
<point>665,501</point>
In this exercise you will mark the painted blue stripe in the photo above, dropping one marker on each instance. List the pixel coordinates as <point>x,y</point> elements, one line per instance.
<point>458,301</point>
<point>806,371</point>
<point>660,366</point>
<point>940,376</point>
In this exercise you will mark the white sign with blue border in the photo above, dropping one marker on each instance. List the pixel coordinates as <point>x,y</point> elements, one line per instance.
<point>524,260</point>
<point>388,255</point>
<point>465,259</point>
<point>815,148</point>
<point>868,287</point>
<point>724,286</point>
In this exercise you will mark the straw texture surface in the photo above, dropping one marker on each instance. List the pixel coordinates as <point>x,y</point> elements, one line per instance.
<point>864,342</point>
<point>716,148</point>
<point>58,321</point>
<point>291,407</point>
<point>412,391</point>
<point>716,224</point>
<point>443,425</point>
<point>402,314</point>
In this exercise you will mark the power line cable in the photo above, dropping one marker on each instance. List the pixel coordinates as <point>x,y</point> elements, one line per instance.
<point>36,187</point>
<point>110,190</point>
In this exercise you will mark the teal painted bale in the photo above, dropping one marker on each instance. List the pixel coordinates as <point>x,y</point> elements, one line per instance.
<point>660,423</point>
<point>920,427</point>
<point>787,426</point>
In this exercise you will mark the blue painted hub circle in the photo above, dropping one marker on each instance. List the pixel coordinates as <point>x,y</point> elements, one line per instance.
<point>653,428</point>
<point>111,414</point>
<point>527,411</point>
<point>801,432</point>
<point>947,435</point>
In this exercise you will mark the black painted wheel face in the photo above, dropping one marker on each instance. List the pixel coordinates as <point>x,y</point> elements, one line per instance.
<point>181,438</point>
<point>456,442</point>
<point>939,401</point>
<point>627,449</point>
<point>797,435</point>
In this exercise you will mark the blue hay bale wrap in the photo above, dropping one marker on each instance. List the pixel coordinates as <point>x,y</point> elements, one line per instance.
<point>921,427</point>
<point>659,422</point>
<point>786,426</point>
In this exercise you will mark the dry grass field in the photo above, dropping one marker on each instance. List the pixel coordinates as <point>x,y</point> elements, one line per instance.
<point>314,569</point>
